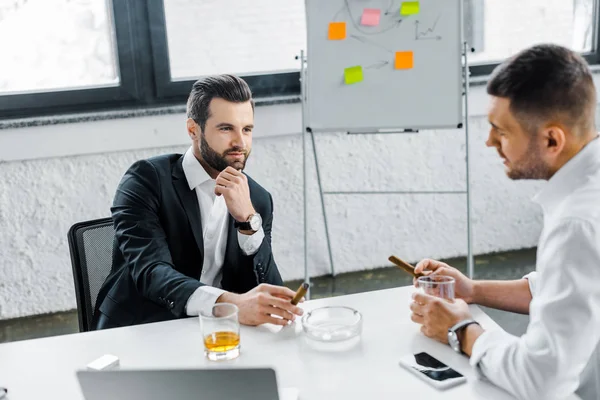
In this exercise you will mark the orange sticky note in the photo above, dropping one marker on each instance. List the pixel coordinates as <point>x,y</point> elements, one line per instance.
<point>337,31</point>
<point>404,60</point>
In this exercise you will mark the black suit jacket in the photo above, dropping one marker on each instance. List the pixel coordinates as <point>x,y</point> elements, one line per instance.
<point>158,251</point>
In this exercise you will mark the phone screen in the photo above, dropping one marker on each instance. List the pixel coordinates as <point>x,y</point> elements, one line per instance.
<point>432,367</point>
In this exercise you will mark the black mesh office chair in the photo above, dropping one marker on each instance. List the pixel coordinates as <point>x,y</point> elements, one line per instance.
<point>90,244</point>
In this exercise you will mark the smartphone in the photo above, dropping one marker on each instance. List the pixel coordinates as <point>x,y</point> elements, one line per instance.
<point>432,371</point>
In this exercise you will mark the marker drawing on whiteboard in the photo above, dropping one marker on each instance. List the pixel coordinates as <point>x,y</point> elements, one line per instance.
<point>337,14</point>
<point>390,8</point>
<point>395,24</point>
<point>427,34</point>
<point>378,65</point>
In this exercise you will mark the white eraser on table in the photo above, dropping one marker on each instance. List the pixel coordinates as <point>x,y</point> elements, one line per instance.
<point>107,361</point>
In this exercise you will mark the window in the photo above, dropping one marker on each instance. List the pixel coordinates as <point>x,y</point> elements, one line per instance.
<point>251,37</point>
<point>513,25</point>
<point>67,55</point>
<point>64,56</point>
<point>56,44</point>
<point>256,39</point>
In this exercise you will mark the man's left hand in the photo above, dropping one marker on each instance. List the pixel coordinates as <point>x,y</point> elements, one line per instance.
<point>233,186</point>
<point>437,315</point>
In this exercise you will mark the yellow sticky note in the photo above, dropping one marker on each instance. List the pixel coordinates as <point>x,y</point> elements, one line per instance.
<point>409,8</point>
<point>337,31</point>
<point>404,60</point>
<point>353,75</point>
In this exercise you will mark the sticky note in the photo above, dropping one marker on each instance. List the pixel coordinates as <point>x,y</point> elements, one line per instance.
<point>409,8</point>
<point>370,17</point>
<point>353,75</point>
<point>337,31</point>
<point>404,60</point>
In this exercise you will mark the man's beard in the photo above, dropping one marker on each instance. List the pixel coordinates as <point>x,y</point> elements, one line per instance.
<point>218,161</point>
<point>530,166</point>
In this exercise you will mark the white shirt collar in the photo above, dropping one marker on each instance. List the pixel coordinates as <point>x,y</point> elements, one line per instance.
<point>194,172</point>
<point>571,176</point>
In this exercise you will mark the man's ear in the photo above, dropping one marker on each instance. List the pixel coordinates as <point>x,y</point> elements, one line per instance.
<point>554,137</point>
<point>193,129</point>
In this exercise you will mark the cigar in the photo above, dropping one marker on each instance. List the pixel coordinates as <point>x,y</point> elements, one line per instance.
<point>300,293</point>
<point>403,265</point>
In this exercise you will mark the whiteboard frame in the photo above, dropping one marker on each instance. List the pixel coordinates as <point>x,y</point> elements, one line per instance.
<point>461,118</point>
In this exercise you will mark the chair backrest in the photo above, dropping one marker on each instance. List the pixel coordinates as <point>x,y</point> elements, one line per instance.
<point>90,244</point>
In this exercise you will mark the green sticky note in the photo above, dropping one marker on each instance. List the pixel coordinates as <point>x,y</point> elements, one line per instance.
<point>409,8</point>
<point>353,75</point>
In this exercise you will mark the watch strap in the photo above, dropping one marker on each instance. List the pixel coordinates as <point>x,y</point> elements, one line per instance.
<point>462,324</point>
<point>244,226</point>
<point>453,333</point>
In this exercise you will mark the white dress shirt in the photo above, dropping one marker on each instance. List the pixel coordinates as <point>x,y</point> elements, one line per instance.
<point>214,215</point>
<point>560,353</point>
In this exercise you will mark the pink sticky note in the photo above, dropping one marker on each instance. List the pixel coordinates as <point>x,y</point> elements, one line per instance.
<point>370,17</point>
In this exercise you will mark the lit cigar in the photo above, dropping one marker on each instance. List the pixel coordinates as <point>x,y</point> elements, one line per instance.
<point>403,265</point>
<point>300,293</point>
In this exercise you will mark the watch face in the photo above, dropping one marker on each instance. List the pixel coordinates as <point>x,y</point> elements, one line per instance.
<point>255,222</point>
<point>453,341</point>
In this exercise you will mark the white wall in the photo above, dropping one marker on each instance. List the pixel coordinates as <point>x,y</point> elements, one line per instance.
<point>54,176</point>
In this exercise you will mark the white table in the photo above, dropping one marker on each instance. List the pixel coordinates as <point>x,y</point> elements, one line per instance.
<point>45,368</point>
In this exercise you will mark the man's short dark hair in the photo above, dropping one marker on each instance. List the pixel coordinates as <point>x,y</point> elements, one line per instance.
<point>227,87</point>
<point>547,83</point>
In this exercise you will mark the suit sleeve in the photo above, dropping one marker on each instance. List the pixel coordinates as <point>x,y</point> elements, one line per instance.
<point>264,263</point>
<point>142,240</point>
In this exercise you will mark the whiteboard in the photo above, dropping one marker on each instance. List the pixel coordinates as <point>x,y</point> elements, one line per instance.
<point>428,95</point>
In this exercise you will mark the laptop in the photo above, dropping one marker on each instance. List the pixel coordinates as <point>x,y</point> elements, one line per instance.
<point>196,384</point>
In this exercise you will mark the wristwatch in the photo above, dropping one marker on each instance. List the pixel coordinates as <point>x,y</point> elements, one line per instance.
<point>453,335</point>
<point>253,223</point>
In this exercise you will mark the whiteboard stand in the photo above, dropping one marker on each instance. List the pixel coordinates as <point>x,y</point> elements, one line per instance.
<point>466,72</point>
<point>314,148</point>
<point>304,166</point>
<point>306,130</point>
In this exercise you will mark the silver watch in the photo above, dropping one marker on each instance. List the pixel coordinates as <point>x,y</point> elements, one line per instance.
<point>453,335</point>
<point>253,223</point>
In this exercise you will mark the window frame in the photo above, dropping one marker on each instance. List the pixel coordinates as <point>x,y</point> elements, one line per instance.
<point>263,85</point>
<point>140,37</point>
<point>83,99</point>
<point>592,57</point>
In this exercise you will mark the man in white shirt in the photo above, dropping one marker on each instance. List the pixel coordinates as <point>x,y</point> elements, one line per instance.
<point>193,230</point>
<point>542,117</point>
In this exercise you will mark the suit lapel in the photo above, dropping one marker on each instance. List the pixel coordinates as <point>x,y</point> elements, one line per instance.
<point>189,200</point>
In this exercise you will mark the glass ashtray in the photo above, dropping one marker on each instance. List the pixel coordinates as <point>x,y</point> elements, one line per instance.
<point>332,324</point>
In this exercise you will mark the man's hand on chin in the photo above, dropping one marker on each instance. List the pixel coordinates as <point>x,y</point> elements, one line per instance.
<point>233,186</point>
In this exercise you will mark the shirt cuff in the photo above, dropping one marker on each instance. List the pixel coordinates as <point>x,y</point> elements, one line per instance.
<point>251,243</point>
<point>483,343</point>
<point>202,300</point>
<point>531,278</point>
